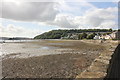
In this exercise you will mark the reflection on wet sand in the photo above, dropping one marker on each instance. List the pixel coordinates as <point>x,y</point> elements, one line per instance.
<point>44,47</point>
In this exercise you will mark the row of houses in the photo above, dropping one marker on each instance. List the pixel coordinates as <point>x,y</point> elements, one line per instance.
<point>114,35</point>
<point>71,36</point>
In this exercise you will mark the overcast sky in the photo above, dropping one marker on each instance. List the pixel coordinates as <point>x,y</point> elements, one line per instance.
<point>28,19</point>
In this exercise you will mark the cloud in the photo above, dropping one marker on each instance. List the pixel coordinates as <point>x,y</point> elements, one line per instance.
<point>96,18</point>
<point>16,31</point>
<point>66,18</point>
<point>89,16</point>
<point>29,11</point>
<point>61,14</point>
<point>108,24</point>
<point>76,8</point>
<point>63,21</point>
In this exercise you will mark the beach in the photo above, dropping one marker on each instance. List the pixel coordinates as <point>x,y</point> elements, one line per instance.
<point>49,58</point>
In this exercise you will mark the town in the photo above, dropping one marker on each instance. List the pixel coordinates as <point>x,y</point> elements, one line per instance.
<point>96,36</point>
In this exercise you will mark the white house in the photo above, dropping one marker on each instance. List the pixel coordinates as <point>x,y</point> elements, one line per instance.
<point>108,37</point>
<point>74,36</point>
<point>97,37</point>
<point>114,35</point>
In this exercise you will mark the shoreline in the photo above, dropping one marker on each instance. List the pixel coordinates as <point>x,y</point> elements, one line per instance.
<point>65,65</point>
<point>47,46</point>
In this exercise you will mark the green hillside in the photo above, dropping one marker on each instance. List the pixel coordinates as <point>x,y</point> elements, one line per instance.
<point>57,34</point>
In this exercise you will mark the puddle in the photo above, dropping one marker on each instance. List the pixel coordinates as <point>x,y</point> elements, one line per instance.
<point>44,48</point>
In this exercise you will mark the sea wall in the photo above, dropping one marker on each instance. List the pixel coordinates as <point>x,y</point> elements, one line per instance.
<point>100,66</point>
<point>114,65</point>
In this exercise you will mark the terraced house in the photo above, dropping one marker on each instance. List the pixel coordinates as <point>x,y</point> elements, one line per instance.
<point>114,35</point>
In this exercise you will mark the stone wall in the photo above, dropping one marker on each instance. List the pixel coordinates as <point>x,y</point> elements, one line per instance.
<point>99,66</point>
<point>113,69</point>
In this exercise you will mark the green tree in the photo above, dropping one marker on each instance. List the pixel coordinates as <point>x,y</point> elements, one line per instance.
<point>110,30</point>
<point>82,36</point>
<point>57,36</point>
<point>91,36</point>
<point>99,34</point>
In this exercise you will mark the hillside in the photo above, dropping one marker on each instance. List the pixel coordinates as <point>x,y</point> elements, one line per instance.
<point>57,34</point>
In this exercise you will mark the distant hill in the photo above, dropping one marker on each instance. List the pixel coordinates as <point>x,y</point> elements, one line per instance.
<point>4,38</point>
<point>57,34</point>
<point>15,38</point>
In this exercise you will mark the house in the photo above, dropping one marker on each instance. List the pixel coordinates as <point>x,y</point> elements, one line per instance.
<point>108,37</point>
<point>114,35</point>
<point>118,34</point>
<point>97,37</point>
<point>66,37</point>
<point>74,36</point>
<point>71,36</point>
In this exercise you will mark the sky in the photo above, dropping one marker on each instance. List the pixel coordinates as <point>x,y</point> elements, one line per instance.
<point>28,19</point>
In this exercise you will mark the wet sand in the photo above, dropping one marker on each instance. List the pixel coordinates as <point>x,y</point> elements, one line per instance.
<point>73,58</point>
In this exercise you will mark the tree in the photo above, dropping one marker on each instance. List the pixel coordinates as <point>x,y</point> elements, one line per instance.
<point>110,29</point>
<point>91,36</point>
<point>82,36</point>
<point>63,35</point>
<point>57,36</point>
<point>107,33</point>
<point>99,34</point>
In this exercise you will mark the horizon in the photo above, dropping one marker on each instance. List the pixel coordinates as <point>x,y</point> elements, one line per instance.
<point>28,19</point>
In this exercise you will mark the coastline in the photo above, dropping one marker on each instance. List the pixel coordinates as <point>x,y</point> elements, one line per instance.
<point>63,65</point>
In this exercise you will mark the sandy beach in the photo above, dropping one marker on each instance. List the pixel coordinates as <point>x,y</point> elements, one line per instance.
<point>50,58</point>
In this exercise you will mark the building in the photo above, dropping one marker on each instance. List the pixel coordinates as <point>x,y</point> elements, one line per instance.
<point>114,35</point>
<point>97,37</point>
<point>118,34</point>
<point>108,37</point>
<point>74,36</point>
<point>71,36</point>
